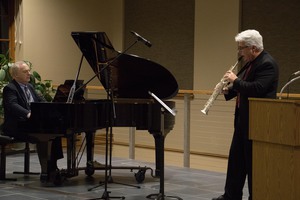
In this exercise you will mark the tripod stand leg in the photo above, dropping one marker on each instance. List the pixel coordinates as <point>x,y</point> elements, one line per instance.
<point>110,163</point>
<point>109,178</point>
<point>105,194</point>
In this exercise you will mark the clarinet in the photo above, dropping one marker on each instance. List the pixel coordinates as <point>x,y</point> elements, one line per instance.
<point>218,89</point>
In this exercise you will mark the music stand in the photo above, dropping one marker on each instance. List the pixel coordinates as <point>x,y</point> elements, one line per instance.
<point>161,195</point>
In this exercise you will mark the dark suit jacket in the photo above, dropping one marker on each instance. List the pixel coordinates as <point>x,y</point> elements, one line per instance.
<point>16,107</point>
<point>261,82</point>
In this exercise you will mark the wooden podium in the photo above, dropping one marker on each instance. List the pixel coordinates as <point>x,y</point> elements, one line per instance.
<point>274,127</point>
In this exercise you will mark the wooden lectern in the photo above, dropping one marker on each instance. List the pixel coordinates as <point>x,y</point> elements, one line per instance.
<point>274,127</point>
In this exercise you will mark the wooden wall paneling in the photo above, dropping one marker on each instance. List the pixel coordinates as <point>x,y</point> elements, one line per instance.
<point>169,25</point>
<point>279,24</point>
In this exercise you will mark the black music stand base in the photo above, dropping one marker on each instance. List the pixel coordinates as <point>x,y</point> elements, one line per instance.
<point>110,180</point>
<point>106,196</point>
<point>162,197</point>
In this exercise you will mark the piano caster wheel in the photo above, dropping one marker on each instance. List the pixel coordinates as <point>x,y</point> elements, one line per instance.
<point>89,171</point>
<point>140,175</point>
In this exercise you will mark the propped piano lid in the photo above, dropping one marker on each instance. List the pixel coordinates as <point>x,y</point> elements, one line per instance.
<point>137,76</point>
<point>132,76</point>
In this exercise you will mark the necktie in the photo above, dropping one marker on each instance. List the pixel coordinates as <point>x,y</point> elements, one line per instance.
<point>27,94</point>
<point>244,78</point>
<point>247,72</point>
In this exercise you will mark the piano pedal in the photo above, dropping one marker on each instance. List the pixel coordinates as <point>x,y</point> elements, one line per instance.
<point>91,166</point>
<point>64,173</point>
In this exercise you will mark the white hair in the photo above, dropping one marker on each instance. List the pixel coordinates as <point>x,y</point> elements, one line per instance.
<point>14,68</point>
<point>250,38</point>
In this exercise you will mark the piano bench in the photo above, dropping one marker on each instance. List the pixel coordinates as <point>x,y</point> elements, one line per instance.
<point>6,140</point>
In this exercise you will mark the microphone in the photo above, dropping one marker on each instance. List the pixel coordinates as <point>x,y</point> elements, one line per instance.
<point>140,38</point>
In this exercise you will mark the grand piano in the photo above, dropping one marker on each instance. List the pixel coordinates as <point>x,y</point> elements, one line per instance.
<point>127,80</point>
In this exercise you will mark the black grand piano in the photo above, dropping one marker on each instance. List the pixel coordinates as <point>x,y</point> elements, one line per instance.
<point>128,79</point>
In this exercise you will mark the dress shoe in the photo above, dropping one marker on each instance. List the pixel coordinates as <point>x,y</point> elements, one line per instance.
<point>56,177</point>
<point>52,178</point>
<point>44,177</point>
<point>220,198</point>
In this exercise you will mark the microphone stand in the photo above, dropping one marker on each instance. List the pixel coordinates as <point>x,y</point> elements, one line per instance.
<point>111,116</point>
<point>288,87</point>
<point>287,84</point>
<point>106,66</point>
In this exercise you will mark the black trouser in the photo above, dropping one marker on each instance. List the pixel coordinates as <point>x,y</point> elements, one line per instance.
<point>239,166</point>
<point>49,149</point>
<point>49,152</point>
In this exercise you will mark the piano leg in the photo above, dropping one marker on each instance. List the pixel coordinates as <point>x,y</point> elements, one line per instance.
<point>71,156</point>
<point>90,138</point>
<point>159,152</point>
<point>160,171</point>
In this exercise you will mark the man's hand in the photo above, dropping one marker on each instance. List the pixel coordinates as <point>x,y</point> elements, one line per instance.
<point>224,90</point>
<point>230,76</point>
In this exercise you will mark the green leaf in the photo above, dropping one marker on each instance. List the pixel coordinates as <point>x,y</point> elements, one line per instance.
<point>48,84</point>
<point>48,97</point>
<point>40,88</point>
<point>32,80</point>
<point>36,75</point>
<point>5,67</point>
<point>2,74</point>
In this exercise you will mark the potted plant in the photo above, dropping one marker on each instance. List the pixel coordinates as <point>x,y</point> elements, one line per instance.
<point>43,88</point>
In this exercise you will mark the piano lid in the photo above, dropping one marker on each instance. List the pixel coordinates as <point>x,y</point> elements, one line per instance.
<point>131,76</point>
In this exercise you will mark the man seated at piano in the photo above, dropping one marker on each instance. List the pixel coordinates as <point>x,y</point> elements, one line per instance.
<point>17,96</point>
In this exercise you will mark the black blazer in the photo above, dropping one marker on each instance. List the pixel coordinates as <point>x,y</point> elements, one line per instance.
<point>15,106</point>
<point>261,82</point>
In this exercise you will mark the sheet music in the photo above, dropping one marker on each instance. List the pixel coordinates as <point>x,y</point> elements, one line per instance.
<point>163,104</point>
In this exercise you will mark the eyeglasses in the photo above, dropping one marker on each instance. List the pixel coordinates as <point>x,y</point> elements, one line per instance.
<point>240,48</point>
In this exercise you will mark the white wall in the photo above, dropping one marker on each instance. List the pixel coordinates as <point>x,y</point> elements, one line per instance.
<point>47,27</point>
<point>48,45</point>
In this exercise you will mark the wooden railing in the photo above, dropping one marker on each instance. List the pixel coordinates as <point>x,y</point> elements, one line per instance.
<point>216,129</point>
